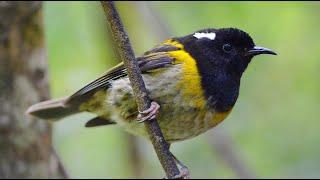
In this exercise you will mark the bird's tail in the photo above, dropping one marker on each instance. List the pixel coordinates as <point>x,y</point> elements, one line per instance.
<point>52,109</point>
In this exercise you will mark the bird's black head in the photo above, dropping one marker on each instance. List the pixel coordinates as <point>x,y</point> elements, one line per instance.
<point>230,49</point>
<point>222,55</point>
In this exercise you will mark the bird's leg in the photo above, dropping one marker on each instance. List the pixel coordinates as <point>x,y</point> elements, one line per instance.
<point>184,171</point>
<point>150,113</point>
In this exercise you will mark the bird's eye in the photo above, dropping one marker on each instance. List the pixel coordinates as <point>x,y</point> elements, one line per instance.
<point>227,48</point>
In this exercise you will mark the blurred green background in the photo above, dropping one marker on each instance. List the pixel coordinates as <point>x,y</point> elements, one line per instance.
<point>273,127</point>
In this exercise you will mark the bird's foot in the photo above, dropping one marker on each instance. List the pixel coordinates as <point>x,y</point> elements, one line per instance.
<point>184,171</point>
<point>150,113</point>
<point>184,174</point>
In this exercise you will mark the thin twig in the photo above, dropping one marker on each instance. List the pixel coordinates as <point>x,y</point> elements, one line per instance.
<point>140,92</point>
<point>132,141</point>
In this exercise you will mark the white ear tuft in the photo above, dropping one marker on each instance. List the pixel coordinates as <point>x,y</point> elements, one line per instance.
<point>211,36</point>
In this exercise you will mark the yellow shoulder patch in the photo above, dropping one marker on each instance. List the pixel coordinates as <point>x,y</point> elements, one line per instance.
<point>172,43</point>
<point>191,80</point>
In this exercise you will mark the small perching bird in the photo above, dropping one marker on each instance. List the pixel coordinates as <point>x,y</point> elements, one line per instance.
<point>193,80</point>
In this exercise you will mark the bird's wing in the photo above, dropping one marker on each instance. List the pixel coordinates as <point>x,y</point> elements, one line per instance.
<point>156,58</point>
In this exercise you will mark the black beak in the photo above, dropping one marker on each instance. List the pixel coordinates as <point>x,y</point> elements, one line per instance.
<point>260,50</point>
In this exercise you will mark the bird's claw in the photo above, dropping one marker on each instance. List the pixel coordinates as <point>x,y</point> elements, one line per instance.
<point>184,172</point>
<point>182,175</point>
<point>150,113</point>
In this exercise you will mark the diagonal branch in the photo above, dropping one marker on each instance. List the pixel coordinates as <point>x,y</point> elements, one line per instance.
<point>140,92</point>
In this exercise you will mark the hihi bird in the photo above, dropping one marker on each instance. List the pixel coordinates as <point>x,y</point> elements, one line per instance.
<point>193,81</point>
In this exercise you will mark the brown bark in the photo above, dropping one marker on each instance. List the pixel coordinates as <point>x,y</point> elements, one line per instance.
<point>25,143</point>
<point>135,160</point>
